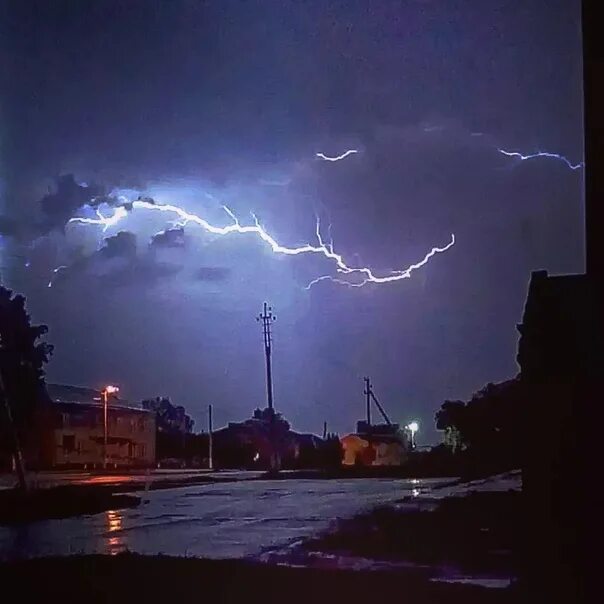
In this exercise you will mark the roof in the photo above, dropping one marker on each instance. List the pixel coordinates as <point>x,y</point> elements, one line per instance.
<point>86,397</point>
<point>75,406</point>
<point>75,394</point>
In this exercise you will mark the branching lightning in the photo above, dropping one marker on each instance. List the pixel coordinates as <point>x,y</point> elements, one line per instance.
<point>337,157</point>
<point>361,275</point>
<point>371,278</point>
<point>55,271</point>
<point>557,156</point>
<point>326,250</point>
<point>106,221</point>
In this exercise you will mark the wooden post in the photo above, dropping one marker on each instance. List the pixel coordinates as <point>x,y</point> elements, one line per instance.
<point>210,451</point>
<point>17,454</point>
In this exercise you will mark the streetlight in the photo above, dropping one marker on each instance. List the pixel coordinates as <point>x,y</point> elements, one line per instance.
<point>413,427</point>
<point>106,392</point>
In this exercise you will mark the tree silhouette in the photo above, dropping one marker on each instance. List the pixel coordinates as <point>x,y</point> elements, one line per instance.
<point>490,424</point>
<point>22,360</point>
<point>171,419</point>
<point>331,452</point>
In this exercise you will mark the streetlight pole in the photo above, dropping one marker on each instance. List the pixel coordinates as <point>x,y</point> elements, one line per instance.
<point>106,392</point>
<point>413,427</point>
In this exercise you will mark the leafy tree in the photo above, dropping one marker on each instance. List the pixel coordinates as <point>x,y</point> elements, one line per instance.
<point>450,418</point>
<point>22,360</point>
<point>173,428</point>
<point>490,424</point>
<point>171,419</point>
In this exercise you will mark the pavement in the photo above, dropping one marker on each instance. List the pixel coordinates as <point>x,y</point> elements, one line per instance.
<point>233,515</point>
<point>218,519</point>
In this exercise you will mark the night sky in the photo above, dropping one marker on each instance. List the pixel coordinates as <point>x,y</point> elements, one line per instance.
<point>221,102</point>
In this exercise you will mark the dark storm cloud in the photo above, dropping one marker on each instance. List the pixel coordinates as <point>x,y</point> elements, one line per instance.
<point>9,227</point>
<point>169,238</point>
<point>140,273</point>
<point>244,94</point>
<point>426,180</point>
<point>212,273</point>
<point>117,263</point>
<point>54,210</point>
<point>59,206</point>
<point>116,251</point>
<point>121,245</point>
<point>62,204</point>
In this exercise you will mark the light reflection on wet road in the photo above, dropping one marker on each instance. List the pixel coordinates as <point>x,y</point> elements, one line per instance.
<point>228,520</point>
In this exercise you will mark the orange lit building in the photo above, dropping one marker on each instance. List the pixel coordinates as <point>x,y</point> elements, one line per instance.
<point>72,431</point>
<point>375,445</point>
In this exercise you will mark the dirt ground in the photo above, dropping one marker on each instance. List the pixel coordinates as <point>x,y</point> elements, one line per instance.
<point>149,579</point>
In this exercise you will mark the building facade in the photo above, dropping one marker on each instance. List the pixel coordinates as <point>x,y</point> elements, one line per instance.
<point>72,433</point>
<point>375,445</point>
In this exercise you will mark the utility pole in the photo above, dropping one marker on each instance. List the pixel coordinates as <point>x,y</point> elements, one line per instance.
<point>210,452</point>
<point>368,399</point>
<point>324,430</point>
<point>267,318</point>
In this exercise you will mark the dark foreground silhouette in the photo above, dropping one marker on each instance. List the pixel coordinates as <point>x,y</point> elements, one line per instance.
<point>130,577</point>
<point>18,506</point>
<point>479,534</point>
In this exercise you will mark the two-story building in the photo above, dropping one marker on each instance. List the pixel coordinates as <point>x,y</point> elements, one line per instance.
<point>72,431</point>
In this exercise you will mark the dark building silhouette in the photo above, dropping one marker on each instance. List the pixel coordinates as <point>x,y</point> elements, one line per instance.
<point>560,359</point>
<point>252,443</point>
<point>556,333</point>
<point>558,354</point>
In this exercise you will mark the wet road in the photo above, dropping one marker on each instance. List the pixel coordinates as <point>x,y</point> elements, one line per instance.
<point>229,520</point>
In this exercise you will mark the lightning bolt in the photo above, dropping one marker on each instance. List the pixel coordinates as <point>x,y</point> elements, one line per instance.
<point>337,157</point>
<point>323,249</point>
<point>55,271</point>
<point>371,278</point>
<point>557,156</point>
<point>105,221</point>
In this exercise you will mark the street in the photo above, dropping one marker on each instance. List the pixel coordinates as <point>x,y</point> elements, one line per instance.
<point>218,520</point>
